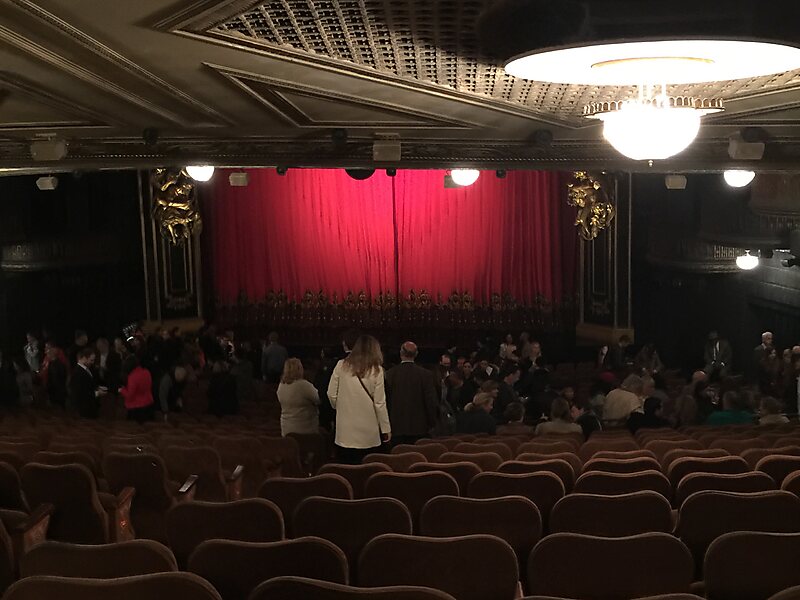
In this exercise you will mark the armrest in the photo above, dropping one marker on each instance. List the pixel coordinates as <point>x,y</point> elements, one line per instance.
<point>187,491</point>
<point>236,474</point>
<point>26,534</point>
<point>42,512</point>
<point>126,496</point>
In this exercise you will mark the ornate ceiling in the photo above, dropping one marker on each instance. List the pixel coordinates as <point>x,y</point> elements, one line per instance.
<point>243,82</point>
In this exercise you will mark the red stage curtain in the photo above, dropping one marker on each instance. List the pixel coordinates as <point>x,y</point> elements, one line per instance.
<point>321,231</point>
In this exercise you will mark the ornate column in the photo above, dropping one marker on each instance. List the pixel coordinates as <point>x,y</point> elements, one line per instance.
<point>603,201</point>
<point>171,226</point>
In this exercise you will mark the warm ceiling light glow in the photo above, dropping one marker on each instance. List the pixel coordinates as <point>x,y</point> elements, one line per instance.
<point>738,178</point>
<point>646,132</point>
<point>670,61</point>
<point>747,262</point>
<point>200,172</point>
<point>465,177</point>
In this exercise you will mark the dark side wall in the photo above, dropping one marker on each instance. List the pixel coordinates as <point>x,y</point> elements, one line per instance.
<point>686,284</point>
<point>71,257</point>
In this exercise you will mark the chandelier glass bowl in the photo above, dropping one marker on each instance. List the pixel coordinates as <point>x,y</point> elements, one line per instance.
<point>465,177</point>
<point>738,178</point>
<point>747,262</point>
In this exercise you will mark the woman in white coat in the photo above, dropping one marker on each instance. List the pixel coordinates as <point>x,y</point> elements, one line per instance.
<point>357,394</point>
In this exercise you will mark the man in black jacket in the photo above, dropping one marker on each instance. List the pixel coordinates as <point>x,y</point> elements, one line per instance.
<point>411,397</point>
<point>84,393</point>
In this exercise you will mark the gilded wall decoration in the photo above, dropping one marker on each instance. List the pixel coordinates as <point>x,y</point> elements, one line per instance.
<point>592,195</point>
<point>175,208</point>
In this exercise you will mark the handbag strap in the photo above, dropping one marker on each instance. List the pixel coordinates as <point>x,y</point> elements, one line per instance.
<point>361,381</point>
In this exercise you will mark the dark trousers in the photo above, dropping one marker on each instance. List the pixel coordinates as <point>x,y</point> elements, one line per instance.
<point>140,415</point>
<point>353,456</point>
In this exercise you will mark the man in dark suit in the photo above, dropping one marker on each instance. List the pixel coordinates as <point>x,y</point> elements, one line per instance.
<point>759,353</point>
<point>411,397</point>
<point>84,393</point>
<point>718,356</point>
<point>108,365</point>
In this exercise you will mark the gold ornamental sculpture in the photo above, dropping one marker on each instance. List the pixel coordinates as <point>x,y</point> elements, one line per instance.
<point>589,194</point>
<point>175,205</point>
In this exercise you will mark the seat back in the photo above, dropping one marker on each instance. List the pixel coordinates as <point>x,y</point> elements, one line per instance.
<point>753,455</point>
<point>560,468</point>
<point>625,454</point>
<point>473,567</point>
<point>778,467</point>
<point>474,448</point>
<point>737,445</point>
<point>190,524</point>
<point>236,568</point>
<point>356,475</point>
<point>739,482</point>
<point>244,450</point>
<point>11,496</point>
<point>431,451</point>
<point>145,472</point>
<point>624,465</point>
<point>569,457</point>
<point>334,520</point>
<point>791,483</point>
<point>399,463</point>
<point>704,516</point>
<point>486,461</point>
<point>547,447</point>
<point>105,561</point>
<point>302,588</point>
<point>513,519</point>
<point>609,484</point>
<point>661,447</point>
<point>78,516</point>
<point>771,560</point>
<point>67,458</point>
<point>412,489</point>
<point>203,461</point>
<point>7,559</point>
<point>612,516</point>
<point>725,464</point>
<point>594,445</point>
<point>672,455</point>
<point>792,593</point>
<point>543,489</point>
<point>158,585</point>
<point>288,492</point>
<point>284,451</point>
<point>462,472</point>
<point>600,559</point>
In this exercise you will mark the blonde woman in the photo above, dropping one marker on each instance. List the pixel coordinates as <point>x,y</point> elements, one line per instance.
<point>476,417</point>
<point>299,400</point>
<point>357,395</point>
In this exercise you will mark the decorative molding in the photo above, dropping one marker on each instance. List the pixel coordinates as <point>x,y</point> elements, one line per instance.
<point>202,15</point>
<point>274,99</point>
<point>121,62</point>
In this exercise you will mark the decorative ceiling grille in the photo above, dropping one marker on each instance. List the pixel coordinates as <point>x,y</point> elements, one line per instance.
<point>434,41</point>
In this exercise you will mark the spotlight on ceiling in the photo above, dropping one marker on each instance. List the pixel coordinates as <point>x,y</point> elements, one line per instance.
<point>501,173</point>
<point>675,182</point>
<point>280,170</point>
<point>360,174</point>
<point>738,178</point>
<point>47,184</point>
<point>50,149</point>
<point>238,179</point>
<point>391,172</point>
<point>747,261</point>
<point>465,177</point>
<point>200,172</point>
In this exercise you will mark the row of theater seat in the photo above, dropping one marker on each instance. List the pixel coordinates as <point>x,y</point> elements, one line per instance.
<point>472,567</point>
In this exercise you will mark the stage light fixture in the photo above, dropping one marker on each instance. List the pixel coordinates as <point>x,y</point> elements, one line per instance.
<point>281,170</point>
<point>200,173</point>
<point>747,261</point>
<point>465,177</point>
<point>791,262</point>
<point>391,172</point>
<point>49,149</point>
<point>47,184</point>
<point>238,179</point>
<point>501,173</point>
<point>738,178</point>
<point>675,182</point>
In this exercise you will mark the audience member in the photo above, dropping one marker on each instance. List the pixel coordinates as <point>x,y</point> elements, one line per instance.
<point>718,356</point>
<point>272,359</point>
<point>651,418</point>
<point>33,353</point>
<point>242,371</point>
<point>768,373</point>
<point>222,399</point>
<point>322,378</point>
<point>108,365</point>
<point>54,375</point>
<point>770,412</point>
<point>584,415</point>
<point>138,392</point>
<point>84,391</point>
<point>506,394</point>
<point>560,420</point>
<point>440,374</point>
<point>624,400</point>
<point>411,397</point>
<point>299,400</point>
<point>647,361</point>
<point>476,417</point>
<point>733,411</point>
<point>760,351</point>
<point>24,381</point>
<point>81,341</point>
<point>357,394</point>
<point>619,357</point>
<point>170,390</point>
<point>508,349</point>
<point>515,421</point>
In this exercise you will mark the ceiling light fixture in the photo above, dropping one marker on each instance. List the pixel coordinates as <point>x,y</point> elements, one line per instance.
<point>200,172</point>
<point>747,262</point>
<point>738,178</point>
<point>465,177</point>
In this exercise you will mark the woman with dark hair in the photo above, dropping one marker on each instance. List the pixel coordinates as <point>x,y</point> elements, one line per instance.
<point>356,391</point>
<point>138,391</point>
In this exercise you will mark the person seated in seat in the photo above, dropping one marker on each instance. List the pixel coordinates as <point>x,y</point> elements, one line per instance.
<point>560,420</point>
<point>583,413</point>
<point>651,417</point>
<point>624,400</point>
<point>734,411</point>
<point>515,421</point>
<point>770,411</point>
<point>476,417</point>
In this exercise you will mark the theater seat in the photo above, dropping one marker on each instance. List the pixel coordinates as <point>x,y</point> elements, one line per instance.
<point>189,524</point>
<point>474,448</point>
<point>462,472</point>
<point>793,593</point>
<point>558,467</point>
<point>431,452</point>
<point>598,482</point>
<point>684,466</point>
<point>612,516</point>
<point>412,489</point>
<point>236,568</point>
<point>771,561</point>
<point>288,492</point>
<point>486,461</point>
<point>104,561</point>
<point>570,457</point>
<point>213,484</point>
<point>543,489</point>
<point>301,588</point>
<point>619,568</point>
<point>624,465</point>
<point>399,463</point>
<point>11,496</point>
<point>356,475</point>
<point>739,482</point>
<point>778,467</point>
<point>183,586</point>
<point>473,567</point>
<point>753,455</point>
